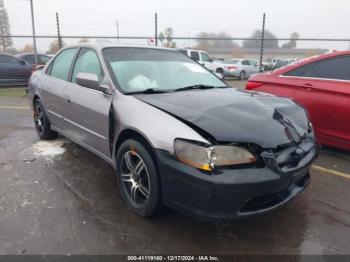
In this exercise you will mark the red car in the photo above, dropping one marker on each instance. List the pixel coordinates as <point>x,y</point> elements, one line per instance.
<point>322,85</point>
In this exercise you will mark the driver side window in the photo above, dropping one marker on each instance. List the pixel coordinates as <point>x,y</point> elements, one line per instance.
<point>87,62</point>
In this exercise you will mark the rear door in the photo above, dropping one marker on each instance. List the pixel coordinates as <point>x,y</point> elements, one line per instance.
<point>326,93</point>
<point>86,110</point>
<point>246,67</point>
<point>55,81</point>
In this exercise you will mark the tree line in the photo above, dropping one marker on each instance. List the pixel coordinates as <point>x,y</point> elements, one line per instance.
<point>166,39</point>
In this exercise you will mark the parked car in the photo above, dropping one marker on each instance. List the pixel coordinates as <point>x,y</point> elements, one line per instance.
<point>13,71</point>
<point>240,68</point>
<point>30,58</point>
<point>281,63</point>
<point>205,60</point>
<point>322,85</point>
<point>175,133</point>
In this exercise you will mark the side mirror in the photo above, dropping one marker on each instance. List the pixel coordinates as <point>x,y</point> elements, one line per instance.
<point>90,80</point>
<point>211,60</point>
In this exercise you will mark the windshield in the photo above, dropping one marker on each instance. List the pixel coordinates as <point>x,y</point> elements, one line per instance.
<point>231,61</point>
<point>141,69</point>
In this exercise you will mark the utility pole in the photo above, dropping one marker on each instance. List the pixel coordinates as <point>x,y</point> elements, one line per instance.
<point>156,29</point>
<point>33,29</point>
<point>118,31</point>
<point>262,44</point>
<point>59,37</point>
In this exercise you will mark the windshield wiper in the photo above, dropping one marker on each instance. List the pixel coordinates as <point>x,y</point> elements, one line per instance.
<point>192,87</point>
<point>148,91</point>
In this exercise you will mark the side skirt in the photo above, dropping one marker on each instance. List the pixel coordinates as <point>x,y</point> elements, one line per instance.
<point>87,147</point>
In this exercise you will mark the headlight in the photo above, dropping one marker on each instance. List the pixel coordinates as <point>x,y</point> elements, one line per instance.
<point>208,157</point>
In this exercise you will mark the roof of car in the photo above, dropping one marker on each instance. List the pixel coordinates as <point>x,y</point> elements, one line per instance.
<point>310,60</point>
<point>101,45</point>
<point>22,54</point>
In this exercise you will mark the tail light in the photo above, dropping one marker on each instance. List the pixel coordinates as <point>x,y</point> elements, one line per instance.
<point>253,85</point>
<point>33,68</point>
<point>231,67</point>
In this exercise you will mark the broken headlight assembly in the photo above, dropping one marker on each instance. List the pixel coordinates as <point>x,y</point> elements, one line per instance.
<point>207,157</point>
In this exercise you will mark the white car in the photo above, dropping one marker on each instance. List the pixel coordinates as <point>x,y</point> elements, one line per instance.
<point>205,60</point>
<point>240,68</point>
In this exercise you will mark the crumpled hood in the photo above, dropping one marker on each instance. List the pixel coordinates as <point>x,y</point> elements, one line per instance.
<point>230,115</point>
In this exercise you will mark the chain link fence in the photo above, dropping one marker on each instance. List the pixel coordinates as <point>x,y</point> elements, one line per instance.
<point>16,65</point>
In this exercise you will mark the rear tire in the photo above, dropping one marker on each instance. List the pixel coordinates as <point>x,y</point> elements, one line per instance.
<point>138,179</point>
<point>241,75</point>
<point>42,123</point>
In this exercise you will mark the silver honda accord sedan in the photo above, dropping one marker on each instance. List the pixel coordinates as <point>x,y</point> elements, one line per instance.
<point>176,134</point>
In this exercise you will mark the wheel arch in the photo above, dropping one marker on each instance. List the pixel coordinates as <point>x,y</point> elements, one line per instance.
<point>130,133</point>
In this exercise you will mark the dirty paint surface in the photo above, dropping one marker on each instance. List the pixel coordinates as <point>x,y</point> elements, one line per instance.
<point>57,198</point>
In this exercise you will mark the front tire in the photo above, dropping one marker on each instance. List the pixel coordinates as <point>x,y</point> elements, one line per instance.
<point>220,73</point>
<point>42,123</point>
<point>138,179</point>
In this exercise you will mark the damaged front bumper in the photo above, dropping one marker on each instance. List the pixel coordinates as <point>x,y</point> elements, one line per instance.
<point>233,193</point>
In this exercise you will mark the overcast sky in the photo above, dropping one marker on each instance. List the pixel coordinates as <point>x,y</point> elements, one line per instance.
<point>312,19</point>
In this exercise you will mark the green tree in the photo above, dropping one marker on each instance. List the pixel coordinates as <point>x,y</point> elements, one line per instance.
<point>5,29</point>
<point>28,48</point>
<point>54,47</point>
<point>168,33</point>
<point>204,44</point>
<point>293,41</point>
<point>255,41</point>
<point>83,40</point>
<point>161,38</point>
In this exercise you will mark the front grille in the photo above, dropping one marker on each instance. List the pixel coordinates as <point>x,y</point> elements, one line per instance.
<point>271,200</point>
<point>292,158</point>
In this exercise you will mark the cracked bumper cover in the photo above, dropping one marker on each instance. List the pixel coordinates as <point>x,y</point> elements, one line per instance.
<point>234,192</point>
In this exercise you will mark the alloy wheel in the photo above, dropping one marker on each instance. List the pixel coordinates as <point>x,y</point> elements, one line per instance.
<point>135,178</point>
<point>39,119</point>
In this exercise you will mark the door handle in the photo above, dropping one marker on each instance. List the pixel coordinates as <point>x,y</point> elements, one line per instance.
<point>306,86</point>
<point>67,99</point>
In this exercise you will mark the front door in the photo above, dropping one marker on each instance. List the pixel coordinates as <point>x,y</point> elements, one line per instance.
<point>326,94</point>
<point>87,110</point>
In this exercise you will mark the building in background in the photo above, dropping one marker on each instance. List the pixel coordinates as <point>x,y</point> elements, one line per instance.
<point>269,53</point>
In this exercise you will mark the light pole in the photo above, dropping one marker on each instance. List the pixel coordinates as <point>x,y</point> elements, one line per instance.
<point>117,23</point>
<point>33,30</point>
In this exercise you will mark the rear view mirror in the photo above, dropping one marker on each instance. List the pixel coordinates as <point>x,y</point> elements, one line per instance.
<point>88,80</point>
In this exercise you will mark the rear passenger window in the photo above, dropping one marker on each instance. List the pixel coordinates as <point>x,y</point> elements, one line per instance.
<point>335,68</point>
<point>245,62</point>
<point>302,71</point>
<point>87,62</point>
<point>195,56</point>
<point>62,64</point>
